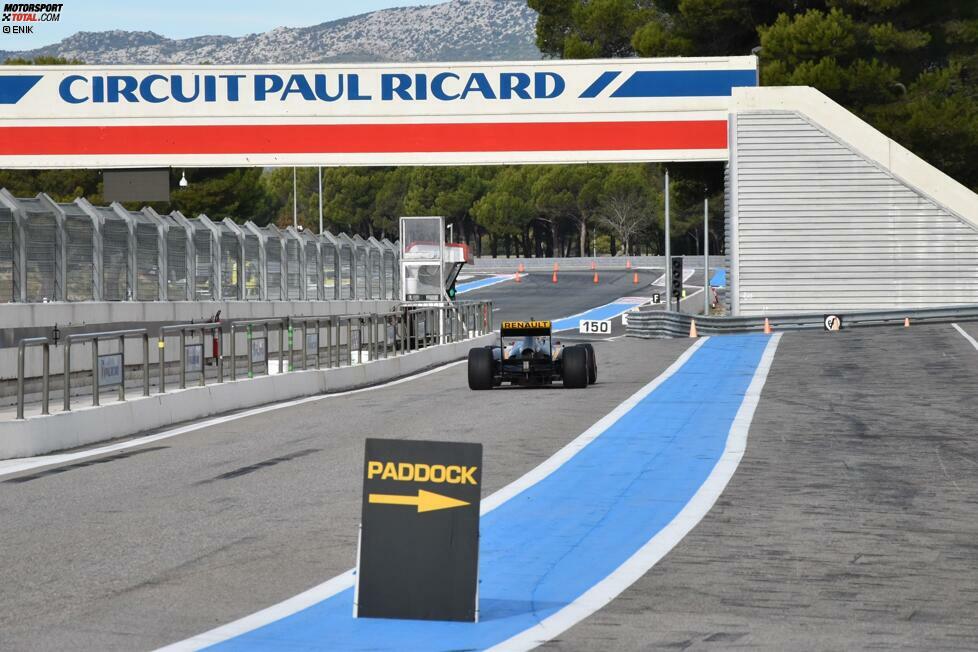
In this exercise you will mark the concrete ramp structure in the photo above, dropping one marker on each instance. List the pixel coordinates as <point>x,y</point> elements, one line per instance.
<point>825,213</point>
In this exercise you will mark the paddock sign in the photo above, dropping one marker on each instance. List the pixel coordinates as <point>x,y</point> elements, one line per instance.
<point>419,536</point>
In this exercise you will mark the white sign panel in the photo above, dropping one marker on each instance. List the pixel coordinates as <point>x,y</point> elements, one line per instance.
<point>596,326</point>
<point>259,350</point>
<point>312,342</point>
<point>110,369</point>
<point>832,322</point>
<point>193,357</point>
<point>369,114</point>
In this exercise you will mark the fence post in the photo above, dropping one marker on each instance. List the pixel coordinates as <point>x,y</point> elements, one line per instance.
<point>291,345</point>
<point>281,345</point>
<point>20,380</point>
<point>183,363</point>
<point>220,354</point>
<point>319,329</point>
<point>203,356</point>
<point>145,364</point>
<point>372,348</point>
<point>45,381</point>
<point>161,346</point>
<point>251,364</point>
<point>122,378</point>
<point>329,343</point>
<point>95,387</point>
<point>67,374</point>
<point>349,339</point>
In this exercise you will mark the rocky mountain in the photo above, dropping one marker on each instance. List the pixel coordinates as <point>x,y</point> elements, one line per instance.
<point>457,30</point>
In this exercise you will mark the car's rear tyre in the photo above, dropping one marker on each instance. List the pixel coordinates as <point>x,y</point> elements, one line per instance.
<point>592,364</point>
<point>575,367</point>
<point>480,368</point>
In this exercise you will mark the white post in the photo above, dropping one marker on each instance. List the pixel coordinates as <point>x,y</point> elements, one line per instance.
<point>706,256</point>
<point>320,200</point>
<point>668,251</point>
<point>295,201</point>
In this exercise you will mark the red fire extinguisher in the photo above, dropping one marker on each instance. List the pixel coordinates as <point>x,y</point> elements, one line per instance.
<point>215,346</point>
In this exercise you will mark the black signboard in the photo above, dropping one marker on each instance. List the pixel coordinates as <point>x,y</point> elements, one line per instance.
<point>419,538</point>
<point>677,277</point>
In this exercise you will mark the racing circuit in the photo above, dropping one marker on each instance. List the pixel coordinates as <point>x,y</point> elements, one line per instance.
<point>795,489</point>
<point>851,505</point>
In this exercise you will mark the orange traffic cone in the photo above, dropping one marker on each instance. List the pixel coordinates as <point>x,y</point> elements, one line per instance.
<point>595,277</point>
<point>906,322</point>
<point>522,269</point>
<point>692,329</point>
<point>635,278</point>
<point>628,264</point>
<point>554,279</point>
<point>767,326</point>
<point>516,277</point>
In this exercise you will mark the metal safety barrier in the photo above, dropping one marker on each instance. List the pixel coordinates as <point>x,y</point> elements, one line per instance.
<point>191,361</point>
<point>654,324</point>
<point>323,341</point>
<point>97,367</point>
<point>46,382</point>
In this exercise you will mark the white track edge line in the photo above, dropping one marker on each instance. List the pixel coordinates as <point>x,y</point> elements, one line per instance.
<point>29,463</point>
<point>500,278</point>
<point>346,580</point>
<point>666,539</point>
<point>966,336</point>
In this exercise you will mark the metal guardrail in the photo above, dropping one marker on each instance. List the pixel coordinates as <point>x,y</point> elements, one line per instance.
<point>46,386</point>
<point>661,324</point>
<point>377,336</point>
<point>95,338</point>
<point>184,330</point>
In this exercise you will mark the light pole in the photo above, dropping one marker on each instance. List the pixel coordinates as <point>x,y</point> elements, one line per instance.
<point>668,250</point>
<point>320,200</point>
<point>295,201</point>
<point>706,256</point>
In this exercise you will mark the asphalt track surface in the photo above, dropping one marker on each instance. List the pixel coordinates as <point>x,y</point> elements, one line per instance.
<point>169,540</point>
<point>851,522</point>
<point>536,296</point>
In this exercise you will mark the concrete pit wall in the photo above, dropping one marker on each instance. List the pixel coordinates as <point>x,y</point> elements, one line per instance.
<point>38,435</point>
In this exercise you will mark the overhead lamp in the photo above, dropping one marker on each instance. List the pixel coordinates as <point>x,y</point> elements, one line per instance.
<point>183,180</point>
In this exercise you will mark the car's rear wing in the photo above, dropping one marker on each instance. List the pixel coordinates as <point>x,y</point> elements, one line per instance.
<point>525,328</point>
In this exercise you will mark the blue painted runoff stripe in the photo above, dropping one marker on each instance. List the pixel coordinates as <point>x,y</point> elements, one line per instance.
<point>719,278</point>
<point>607,311</point>
<point>545,547</point>
<point>685,83</point>
<point>461,288</point>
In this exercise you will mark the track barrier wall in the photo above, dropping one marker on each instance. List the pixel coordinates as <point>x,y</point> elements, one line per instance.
<point>349,351</point>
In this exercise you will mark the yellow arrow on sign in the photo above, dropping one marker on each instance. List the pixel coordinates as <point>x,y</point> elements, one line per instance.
<point>425,500</point>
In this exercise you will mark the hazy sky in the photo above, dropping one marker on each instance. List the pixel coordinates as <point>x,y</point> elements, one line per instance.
<point>183,18</point>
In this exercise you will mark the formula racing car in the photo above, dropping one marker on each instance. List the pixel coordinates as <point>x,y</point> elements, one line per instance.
<point>531,359</point>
